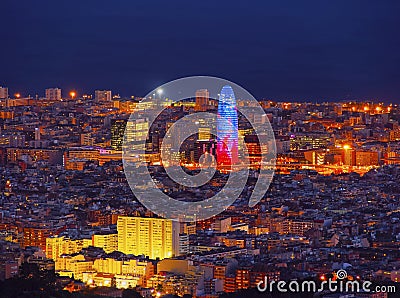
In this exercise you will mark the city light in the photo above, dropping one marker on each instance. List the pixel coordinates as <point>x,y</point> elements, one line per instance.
<point>329,152</point>
<point>128,169</point>
<point>125,248</point>
<point>227,128</point>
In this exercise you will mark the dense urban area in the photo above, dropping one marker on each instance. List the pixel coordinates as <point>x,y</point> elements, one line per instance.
<point>70,224</point>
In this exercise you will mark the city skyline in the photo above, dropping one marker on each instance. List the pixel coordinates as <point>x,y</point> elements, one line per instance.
<point>73,93</point>
<point>207,149</point>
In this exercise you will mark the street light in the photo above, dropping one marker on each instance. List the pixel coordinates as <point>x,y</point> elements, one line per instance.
<point>72,94</point>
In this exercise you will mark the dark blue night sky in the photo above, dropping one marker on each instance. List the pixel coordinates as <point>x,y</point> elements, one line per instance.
<point>283,50</point>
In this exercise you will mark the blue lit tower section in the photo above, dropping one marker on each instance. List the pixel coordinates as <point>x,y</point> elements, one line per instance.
<point>227,128</point>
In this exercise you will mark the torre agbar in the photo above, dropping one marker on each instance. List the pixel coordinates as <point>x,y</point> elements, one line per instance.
<point>227,128</point>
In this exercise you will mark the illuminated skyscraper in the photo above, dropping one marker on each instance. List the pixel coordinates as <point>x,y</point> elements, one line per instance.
<point>202,100</point>
<point>151,237</point>
<point>227,128</point>
<point>204,130</point>
<point>136,132</point>
<point>117,133</point>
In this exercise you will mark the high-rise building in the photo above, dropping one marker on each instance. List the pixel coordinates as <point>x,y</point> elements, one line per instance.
<point>227,128</point>
<point>349,156</point>
<point>102,95</point>
<point>117,133</point>
<point>136,133</point>
<point>152,237</point>
<point>204,130</point>
<point>53,94</point>
<point>202,100</point>
<point>3,92</point>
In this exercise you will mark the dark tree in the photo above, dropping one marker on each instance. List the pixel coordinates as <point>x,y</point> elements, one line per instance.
<point>129,293</point>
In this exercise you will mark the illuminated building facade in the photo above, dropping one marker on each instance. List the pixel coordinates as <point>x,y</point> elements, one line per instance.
<point>127,106</point>
<point>134,267</point>
<point>77,159</point>
<point>204,130</point>
<point>73,265</point>
<point>249,277</point>
<point>202,100</point>
<point>367,158</point>
<point>105,272</point>
<point>254,149</point>
<point>57,246</point>
<point>108,242</point>
<point>151,237</point>
<point>3,92</point>
<point>309,141</point>
<point>117,133</point>
<point>36,236</point>
<point>315,156</point>
<point>86,139</point>
<point>227,128</point>
<point>53,94</point>
<point>83,154</point>
<point>349,156</point>
<point>136,133</point>
<point>53,156</point>
<point>102,95</point>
